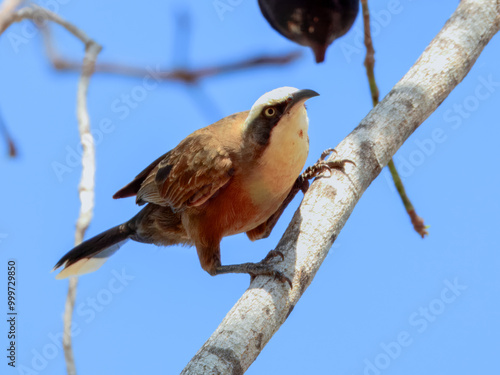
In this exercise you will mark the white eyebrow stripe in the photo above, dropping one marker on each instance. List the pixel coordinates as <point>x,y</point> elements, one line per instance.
<point>269,98</point>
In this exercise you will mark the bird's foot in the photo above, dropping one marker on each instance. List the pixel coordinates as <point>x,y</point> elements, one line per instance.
<point>321,167</point>
<point>271,255</point>
<point>263,268</point>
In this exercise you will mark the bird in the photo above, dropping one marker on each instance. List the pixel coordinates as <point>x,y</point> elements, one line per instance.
<point>236,175</point>
<point>312,23</point>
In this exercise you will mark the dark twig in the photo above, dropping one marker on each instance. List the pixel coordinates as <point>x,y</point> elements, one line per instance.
<point>181,75</point>
<point>417,221</point>
<point>6,8</point>
<point>181,58</point>
<point>11,146</point>
<point>174,75</point>
<point>182,37</point>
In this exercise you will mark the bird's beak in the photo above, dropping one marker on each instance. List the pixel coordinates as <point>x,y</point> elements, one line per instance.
<point>300,97</point>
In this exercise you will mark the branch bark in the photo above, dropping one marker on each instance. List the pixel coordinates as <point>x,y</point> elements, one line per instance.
<point>265,306</point>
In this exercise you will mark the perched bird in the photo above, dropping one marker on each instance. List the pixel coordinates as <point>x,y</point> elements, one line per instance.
<point>311,23</point>
<point>236,175</point>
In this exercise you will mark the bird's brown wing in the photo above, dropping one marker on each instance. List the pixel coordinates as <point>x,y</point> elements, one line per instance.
<point>188,175</point>
<point>133,187</point>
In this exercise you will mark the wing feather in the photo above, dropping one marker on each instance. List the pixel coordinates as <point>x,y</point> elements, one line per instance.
<point>188,175</point>
<point>133,187</point>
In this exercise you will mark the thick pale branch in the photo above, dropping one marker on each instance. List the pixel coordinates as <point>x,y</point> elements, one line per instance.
<point>329,202</point>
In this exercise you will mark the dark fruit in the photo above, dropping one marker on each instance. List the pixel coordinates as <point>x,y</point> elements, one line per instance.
<point>312,23</point>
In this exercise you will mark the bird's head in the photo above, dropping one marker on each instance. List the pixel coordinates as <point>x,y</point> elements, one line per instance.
<point>281,108</point>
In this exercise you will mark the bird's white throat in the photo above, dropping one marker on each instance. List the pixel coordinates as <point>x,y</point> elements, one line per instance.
<point>284,157</point>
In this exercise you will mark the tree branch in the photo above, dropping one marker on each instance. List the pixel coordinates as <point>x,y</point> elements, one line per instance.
<point>11,146</point>
<point>182,75</point>
<point>6,8</point>
<point>188,76</point>
<point>85,189</point>
<point>264,307</point>
<point>87,181</point>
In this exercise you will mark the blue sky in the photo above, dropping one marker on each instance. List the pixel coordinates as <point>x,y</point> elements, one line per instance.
<point>384,302</point>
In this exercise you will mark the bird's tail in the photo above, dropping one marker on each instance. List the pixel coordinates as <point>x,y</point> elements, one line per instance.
<point>91,254</point>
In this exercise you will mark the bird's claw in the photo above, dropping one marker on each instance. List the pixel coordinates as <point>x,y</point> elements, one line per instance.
<point>319,168</point>
<point>278,275</point>
<point>282,278</point>
<point>263,268</point>
<point>326,153</point>
<point>270,271</point>
<point>273,254</point>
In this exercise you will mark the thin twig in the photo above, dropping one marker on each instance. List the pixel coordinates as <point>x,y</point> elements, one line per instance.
<point>417,221</point>
<point>6,8</point>
<point>182,75</point>
<point>67,321</point>
<point>39,15</point>
<point>11,146</point>
<point>370,54</point>
<point>175,75</point>
<point>87,181</point>
<point>85,189</point>
<point>182,37</point>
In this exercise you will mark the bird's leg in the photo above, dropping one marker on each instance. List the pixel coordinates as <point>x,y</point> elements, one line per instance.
<point>273,254</point>
<point>265,229</point>
<point>209,255</point>
<point>301,184</point>
<point>256,269</point>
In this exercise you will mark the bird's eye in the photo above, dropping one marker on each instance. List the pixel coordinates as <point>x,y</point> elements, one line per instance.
<point>270,112</point>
